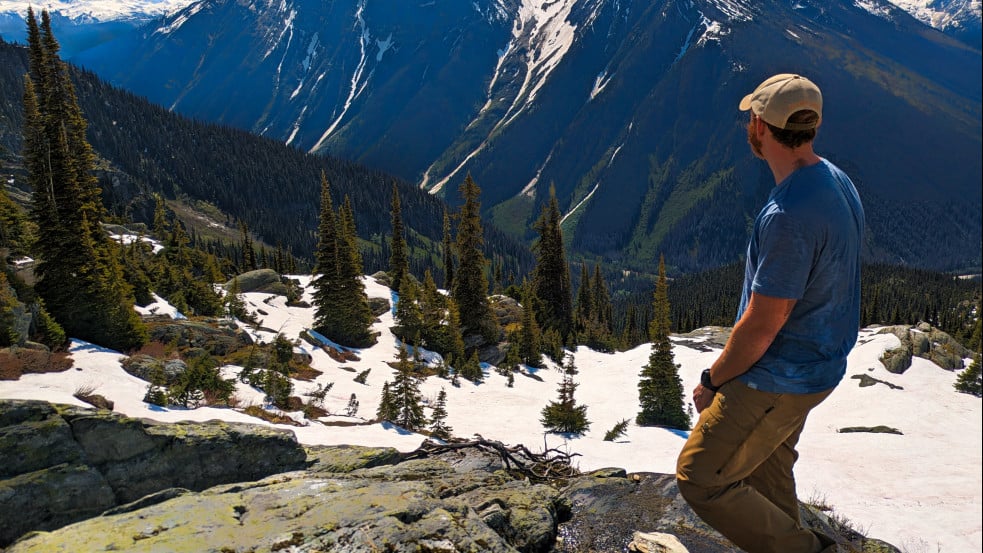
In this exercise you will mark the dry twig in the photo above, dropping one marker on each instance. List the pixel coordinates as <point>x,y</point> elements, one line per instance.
<point>551,464</point>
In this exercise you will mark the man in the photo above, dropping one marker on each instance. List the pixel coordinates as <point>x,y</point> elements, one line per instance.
<point>798,320</point>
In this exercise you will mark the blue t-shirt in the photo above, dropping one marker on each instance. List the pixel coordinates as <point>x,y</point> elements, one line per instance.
<point>806,246</point>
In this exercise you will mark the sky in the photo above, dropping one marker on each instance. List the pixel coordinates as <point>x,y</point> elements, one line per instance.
<point>920,491</point>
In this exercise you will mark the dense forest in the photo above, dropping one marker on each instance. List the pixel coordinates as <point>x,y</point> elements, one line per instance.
<point>259,188</point>
<point>890,294</point>
<point>270,188</point>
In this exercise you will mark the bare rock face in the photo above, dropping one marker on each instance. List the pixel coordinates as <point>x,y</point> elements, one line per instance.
<point>140,486</point>
<point>927,342</point>
<point>60,464</point>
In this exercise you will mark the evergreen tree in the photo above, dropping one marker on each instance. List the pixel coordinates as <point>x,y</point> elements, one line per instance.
<point>406,394</point>
<point>970,380</point>
<point>471,369</point>
<point>357,320</point>
<point>660,390</point>
<point>602,312</point>
<point>352,409</point>
<point>248,253</point>
<point>551,276</point>
<point>447,253</point>
<point>617,431</point>
<point>564,415</point>
<point>78,272</point>
<point>14,235</point>
<point>585,301</point>
<point>327,281</point>
<point>470,283</point>
<point>387,410</point>
<point>399,263</point>
<point>529,347</point>
<point>8,304</point>
<point>438,418</point>
<point>235,307</point>
<point>161,226</point>
<point>455,337</point>
<point>409,316</point>
<point>341,306</point>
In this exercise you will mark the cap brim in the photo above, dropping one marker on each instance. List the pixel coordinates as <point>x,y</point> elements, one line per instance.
<point>746,103</point>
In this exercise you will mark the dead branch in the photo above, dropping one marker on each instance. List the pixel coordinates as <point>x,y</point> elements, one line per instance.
<point>551,464</point>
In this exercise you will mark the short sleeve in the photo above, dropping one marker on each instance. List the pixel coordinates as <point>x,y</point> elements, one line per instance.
<point>785,255</point>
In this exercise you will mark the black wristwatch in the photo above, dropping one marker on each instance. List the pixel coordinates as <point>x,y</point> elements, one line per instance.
<point>705,381</point>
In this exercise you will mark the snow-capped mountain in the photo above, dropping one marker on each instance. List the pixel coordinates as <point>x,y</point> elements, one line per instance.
<point>626,107</point>
<point>93,11</point>
<point>959,18</point>
<point>82,24</point>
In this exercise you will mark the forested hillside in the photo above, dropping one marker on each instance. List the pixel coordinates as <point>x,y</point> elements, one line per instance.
<point>271,188</point>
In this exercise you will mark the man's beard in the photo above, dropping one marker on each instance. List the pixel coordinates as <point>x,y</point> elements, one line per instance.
<point>753,140</point>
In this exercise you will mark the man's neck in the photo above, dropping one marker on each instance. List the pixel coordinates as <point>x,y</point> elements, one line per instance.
<point>784,161</point>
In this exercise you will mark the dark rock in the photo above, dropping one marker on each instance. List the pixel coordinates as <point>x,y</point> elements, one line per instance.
<point>260,280</point>
<point>379,306</point>
<point>61,464</point>
<point>327,498</point>
<point>217,341</point>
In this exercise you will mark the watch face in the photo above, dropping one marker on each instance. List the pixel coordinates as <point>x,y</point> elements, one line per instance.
<point>705,379</point>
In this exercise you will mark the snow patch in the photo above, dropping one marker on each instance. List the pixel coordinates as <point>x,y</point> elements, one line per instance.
<point>357,83</point>
<point>180,19</point>
<point>874,7</point>
<point>384,45</point>
<point>600,82</point>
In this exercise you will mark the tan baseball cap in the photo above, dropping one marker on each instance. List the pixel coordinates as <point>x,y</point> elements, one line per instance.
<point>776,99</point>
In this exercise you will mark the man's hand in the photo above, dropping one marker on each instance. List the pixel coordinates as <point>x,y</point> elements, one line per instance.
<point>702,397</point>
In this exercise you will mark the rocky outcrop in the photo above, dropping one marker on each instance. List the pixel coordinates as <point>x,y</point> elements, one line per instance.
<point>60,464</point>
<point>215,337</point>
<point>927,342</point>
<point>344,498</point>
<point>260,280</point>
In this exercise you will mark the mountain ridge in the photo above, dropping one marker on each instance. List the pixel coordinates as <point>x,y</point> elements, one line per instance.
<point>626,108</point>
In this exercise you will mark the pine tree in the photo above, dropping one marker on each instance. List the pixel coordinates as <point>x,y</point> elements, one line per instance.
<point>616,431</point>
<point>660,390</point>
<point>357,318</point>
<point>447,253</point>
<point>529,347</point>
<point>564,415</point>
<point>235,307</point>
<point>471,369</point>
<point>406,394</point>
<point>970,380</point>
<point>342,311</point>
<point>455,337</point>
<point>327,281</point>
<point>79,275</point>
<point>551,276</point>
<point>352,409</point>
<point>13,229</point>
<point>470,284</point>
<point>399,264</point>
<point>387,410</point>
<point>409,316</point>
<point>438,418</point>
<point>602,302</point>
<point>585,301</point>
<point>8,304</point>
<point>248,253</point>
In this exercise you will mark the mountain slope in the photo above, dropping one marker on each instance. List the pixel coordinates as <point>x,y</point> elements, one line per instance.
<point>232,175</point>
<point>627,107</point>
<point>919,489</point>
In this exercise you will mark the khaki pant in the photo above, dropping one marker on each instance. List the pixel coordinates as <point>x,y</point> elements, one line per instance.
<point>735,470</point>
